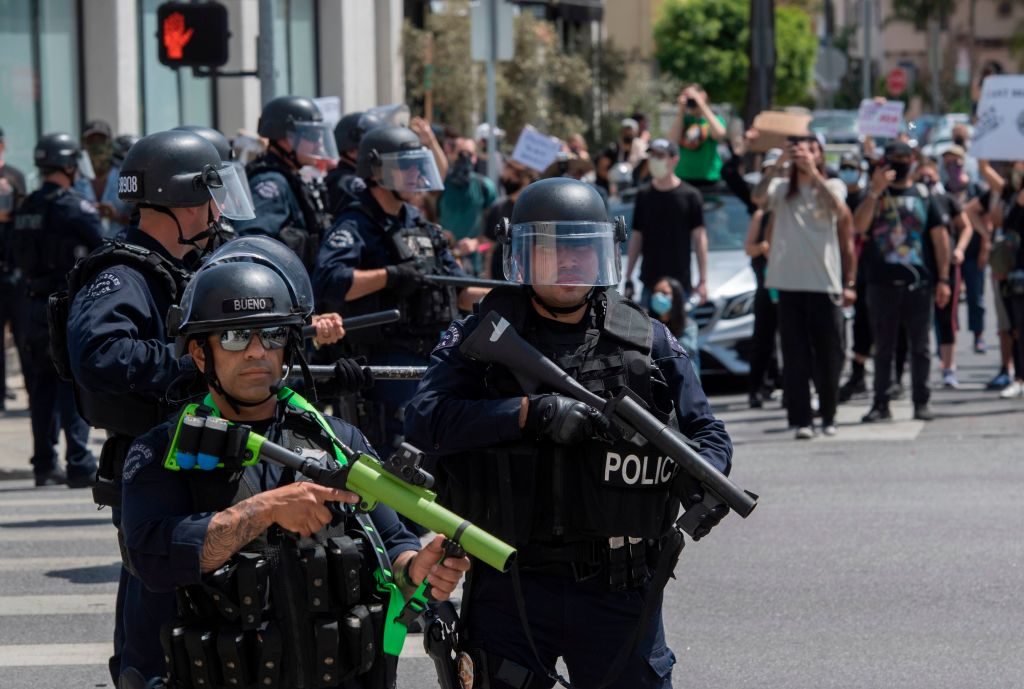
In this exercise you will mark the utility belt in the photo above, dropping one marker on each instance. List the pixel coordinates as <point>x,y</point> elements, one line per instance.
<point>106,492</point>
<point>625,563</point>
<point>299,614</point>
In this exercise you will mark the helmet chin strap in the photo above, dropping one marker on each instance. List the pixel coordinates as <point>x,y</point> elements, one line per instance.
<point>294,351</point>
<point>213,228</point>
<point>290,156</point>
<point>561,310</point>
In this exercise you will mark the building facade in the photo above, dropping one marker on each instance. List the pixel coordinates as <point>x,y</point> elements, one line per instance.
<point>64,62</point>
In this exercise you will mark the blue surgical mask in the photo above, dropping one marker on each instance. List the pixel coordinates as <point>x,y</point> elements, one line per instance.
<point>661,303</point>
<point>849,175</point>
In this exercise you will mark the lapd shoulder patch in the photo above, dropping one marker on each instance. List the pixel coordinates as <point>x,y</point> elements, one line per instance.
<point>344,236</point>
<point>267,189</point>
<point>450,338</point>
<point>673,341</point>
<point>104,284</point>
<point>139,456</point>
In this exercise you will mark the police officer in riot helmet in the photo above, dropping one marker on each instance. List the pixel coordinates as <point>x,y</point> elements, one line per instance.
<point>118,351</point>
<point>53,227</point>
<point>343,182</point>
<point>287,181</point>
<point>378,255</point>
<point>590,513</point>
<point>227,155</point>
<point>200,529</point>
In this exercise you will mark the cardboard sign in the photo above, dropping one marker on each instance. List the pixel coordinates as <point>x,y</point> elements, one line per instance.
<point>774,127</point>
<point>999,131</point>
<point>883,118</point>
<point>536,150</point>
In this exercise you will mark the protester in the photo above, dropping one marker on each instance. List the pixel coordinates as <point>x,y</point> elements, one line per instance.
<point>514,178</point>
<point>467,194</point>
<point>852,173</point>
<point>627,149</point>
<point>668,224</point>
<point>668,305</point>
<point>811,264</point>
<point>763,363</point>
<point>697,130</point>
<point>907,255</point>
<point>483,132</point>
<point>98,142</point>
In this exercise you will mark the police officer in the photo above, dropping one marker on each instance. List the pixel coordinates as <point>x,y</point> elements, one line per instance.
<point>377,256</point>
<point>290,206</point>
<point>53,228</point>
<point>591,534</point>
<point>196,531</point>
<point>120,355</point>
<point>227,155</point>
<point>343,183</point>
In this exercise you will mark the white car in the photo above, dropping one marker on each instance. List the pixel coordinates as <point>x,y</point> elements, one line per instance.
<point>726,320</point>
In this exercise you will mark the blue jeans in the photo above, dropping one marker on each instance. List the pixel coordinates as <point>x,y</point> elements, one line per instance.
<point>691,331</point>
<point>974,282</point>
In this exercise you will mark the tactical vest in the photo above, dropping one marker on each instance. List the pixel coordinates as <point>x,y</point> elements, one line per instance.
<point>123,413</point>
<point>536,494</point>
<point>312,200</point>
<point>427,313</point>
<point>284,612</point>
<point>43,255</point>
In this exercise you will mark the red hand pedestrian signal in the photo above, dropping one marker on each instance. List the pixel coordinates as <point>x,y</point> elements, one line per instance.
<point>176,36</point>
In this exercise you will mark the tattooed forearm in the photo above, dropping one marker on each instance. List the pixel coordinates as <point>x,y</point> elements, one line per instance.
<point>231,529</point>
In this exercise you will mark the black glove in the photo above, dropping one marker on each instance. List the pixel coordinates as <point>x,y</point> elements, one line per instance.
<point>560,419</point>
<point>404,278</point>
<point>350,376</point>
<point>629,289</point>
<point>691,493</point>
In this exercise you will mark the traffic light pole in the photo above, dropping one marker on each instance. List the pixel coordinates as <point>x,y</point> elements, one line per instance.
<point>265,52</point>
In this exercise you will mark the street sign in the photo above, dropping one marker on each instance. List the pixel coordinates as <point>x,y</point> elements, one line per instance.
<point>480,29</point>
<point>896,81</point>
<point>192,35</point>
<point>830,68</point>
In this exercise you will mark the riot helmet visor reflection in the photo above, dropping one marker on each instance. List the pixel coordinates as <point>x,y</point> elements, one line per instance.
<point>230,192</point>
<point>313,140</point>
<point>411,170</point>
<point>568,253</point>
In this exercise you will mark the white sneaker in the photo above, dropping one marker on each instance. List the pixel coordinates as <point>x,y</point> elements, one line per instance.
<point>1014,389</point>
<point>804,433</point>
<point>829,430</point>
<point>949,379</point>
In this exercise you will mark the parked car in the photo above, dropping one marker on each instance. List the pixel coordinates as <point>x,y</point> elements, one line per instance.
<point>726,320</point>
<point>837,126</point>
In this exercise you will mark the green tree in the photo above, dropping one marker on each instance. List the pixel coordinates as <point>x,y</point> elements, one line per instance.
<point>707,41</point>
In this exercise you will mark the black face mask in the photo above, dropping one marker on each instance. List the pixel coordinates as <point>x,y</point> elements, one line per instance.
<point>627,140</point>
<point>461,170</point>
<point>901,169</point>
<point>511,186</point>
<point>960,141</point>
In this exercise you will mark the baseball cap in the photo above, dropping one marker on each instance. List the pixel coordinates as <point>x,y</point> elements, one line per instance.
<point>629,123</point>
<point>483,131</point>
<point>850,159</point>
<point>898,148</point>
<point>664,146</point>
<point>956,150</point>
<point>97,127</point>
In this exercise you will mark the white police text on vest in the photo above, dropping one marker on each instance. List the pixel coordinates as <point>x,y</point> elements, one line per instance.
<point>637,470</point>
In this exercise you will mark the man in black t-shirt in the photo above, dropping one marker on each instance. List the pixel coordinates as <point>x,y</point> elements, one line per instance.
<point>668,224</point>
<point>907,256</point>
<point>12,191</point>
<point>514,178</point>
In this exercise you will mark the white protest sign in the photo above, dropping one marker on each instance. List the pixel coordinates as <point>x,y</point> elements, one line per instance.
<point>999,131</point>
<point>330,108</point>
<point>536,150</point>
<point>880,118</point>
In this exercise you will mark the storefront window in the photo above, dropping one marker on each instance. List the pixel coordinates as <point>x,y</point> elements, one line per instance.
<point>295,47</point>
<point>39,77</point>
<point>170,97</point>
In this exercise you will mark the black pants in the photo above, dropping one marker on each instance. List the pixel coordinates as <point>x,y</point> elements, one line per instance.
<point>763,362</point>
<point>811,330</point>
<point>1015,307</point>
<point>862,337</point>
<point>892,306</point>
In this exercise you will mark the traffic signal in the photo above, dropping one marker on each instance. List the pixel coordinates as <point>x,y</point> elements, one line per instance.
<point>192,35</point>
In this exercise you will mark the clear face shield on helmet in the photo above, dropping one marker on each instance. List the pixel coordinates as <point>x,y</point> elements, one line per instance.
<point>313,141</point>
<point>396,115</point>
<point>568,254</point>
<point>412,170</point>
<point>230,191</point>
<point>84,166</point>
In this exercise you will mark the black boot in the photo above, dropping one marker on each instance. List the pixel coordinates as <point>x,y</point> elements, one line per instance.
<point>854,385</point>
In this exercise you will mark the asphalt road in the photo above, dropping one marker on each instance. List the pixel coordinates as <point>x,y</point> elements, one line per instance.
<point>889,556</point>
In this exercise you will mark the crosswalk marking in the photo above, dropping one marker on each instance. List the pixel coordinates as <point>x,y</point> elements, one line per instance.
<point>99,532</point>
<point>89,518</point>
<point>11,499</point>
<point>43,564</point>
<point>39,655</point>
<point>74,604</point>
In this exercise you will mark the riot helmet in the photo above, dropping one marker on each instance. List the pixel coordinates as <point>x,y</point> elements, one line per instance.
<point>233,299</point>
<point>395,159</point>
<point>560,234</point>
<point>298,121</point>
<point>224,150</point>
<point>348,132</point>
<point>121,145</point>
<point>59,153</point>
<point>396,115</point>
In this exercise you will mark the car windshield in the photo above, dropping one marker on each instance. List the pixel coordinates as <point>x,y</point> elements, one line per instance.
<point>726,220</point>
<point>834,124</point>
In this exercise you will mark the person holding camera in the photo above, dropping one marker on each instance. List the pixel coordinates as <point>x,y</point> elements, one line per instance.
<point>907,257</point>
<point>811,264</point>
<point>697,130</point>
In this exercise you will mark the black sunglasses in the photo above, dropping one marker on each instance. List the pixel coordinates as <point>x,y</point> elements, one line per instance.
<point>238,340</point>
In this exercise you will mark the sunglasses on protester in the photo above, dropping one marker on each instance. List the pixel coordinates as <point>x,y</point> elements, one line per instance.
<point>238,340</point>
<point>800,139</point>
